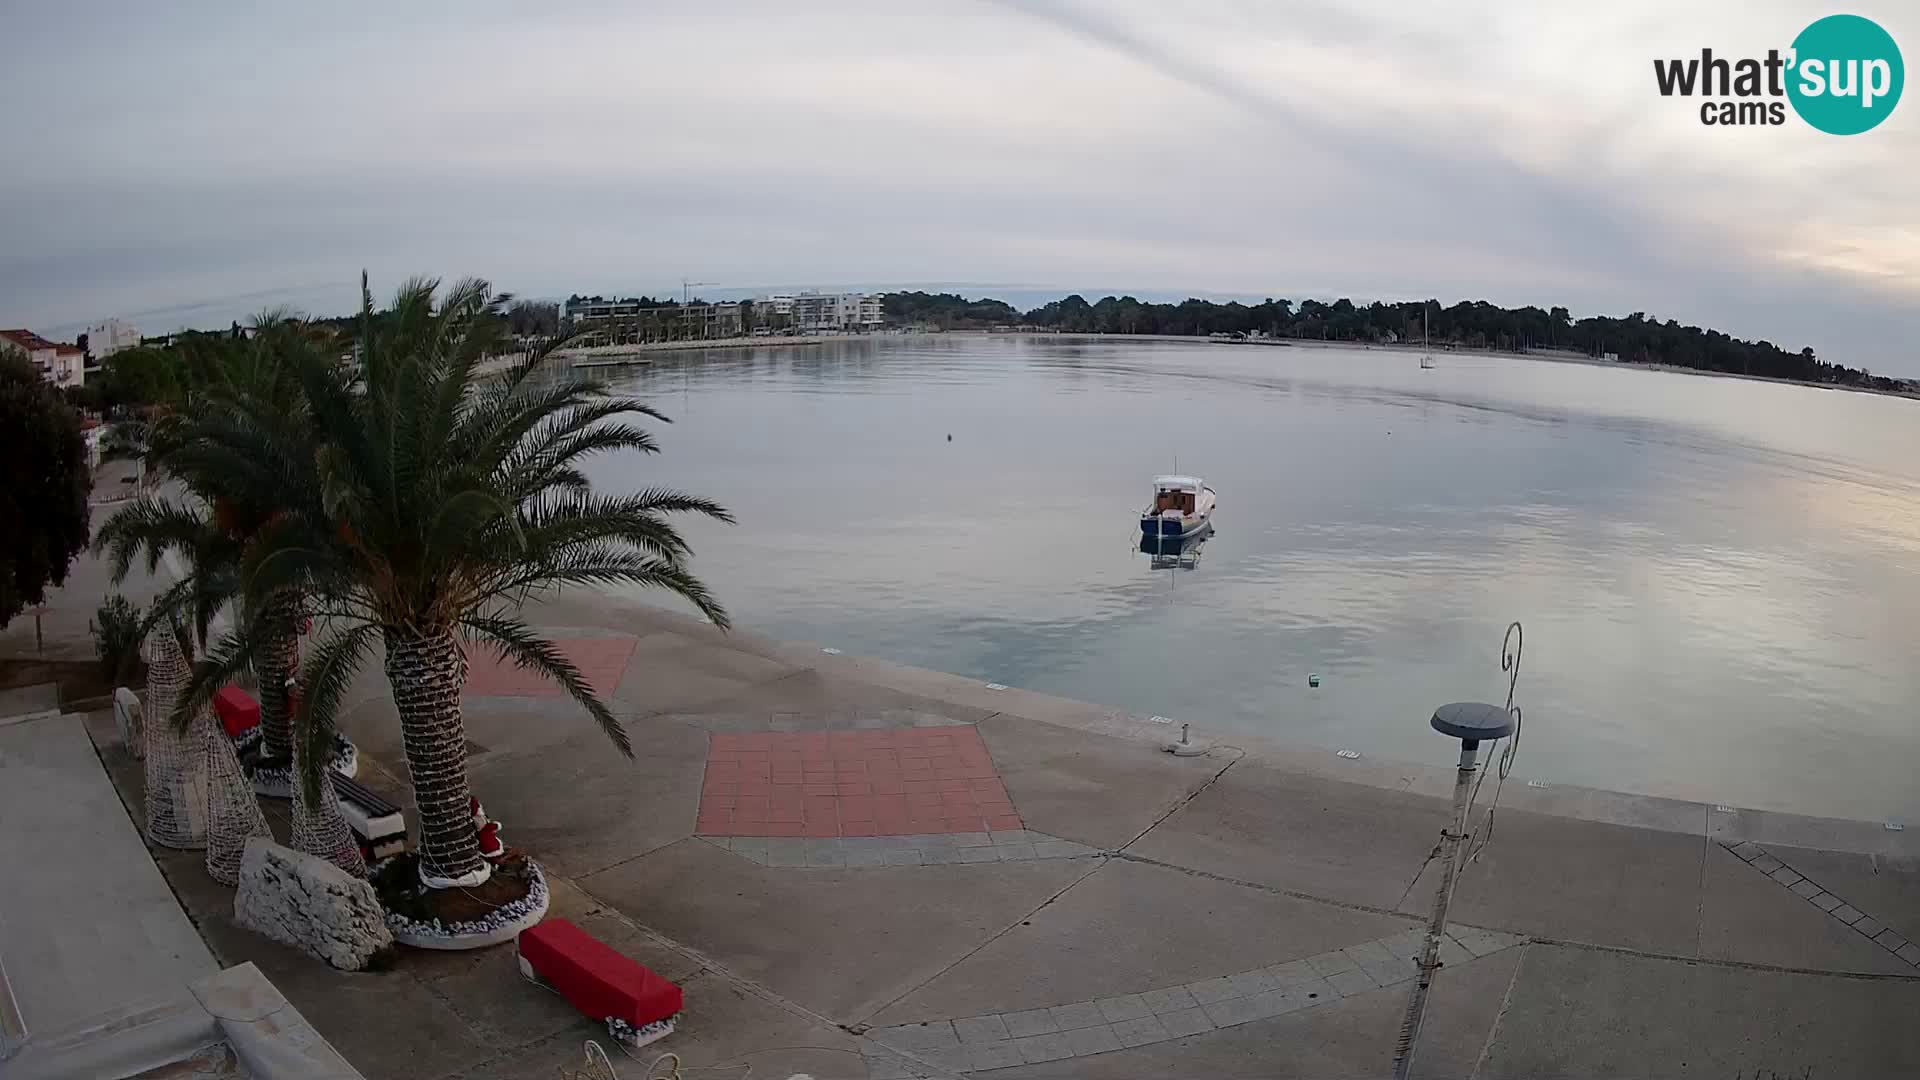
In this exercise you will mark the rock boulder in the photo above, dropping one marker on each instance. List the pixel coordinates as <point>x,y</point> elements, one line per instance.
<point>311,904</point>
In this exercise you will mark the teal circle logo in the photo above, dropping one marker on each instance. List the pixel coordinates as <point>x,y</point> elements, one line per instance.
<point>1847,75</point>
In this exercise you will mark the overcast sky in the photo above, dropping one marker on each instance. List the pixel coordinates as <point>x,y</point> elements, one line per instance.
<point>196,162</point>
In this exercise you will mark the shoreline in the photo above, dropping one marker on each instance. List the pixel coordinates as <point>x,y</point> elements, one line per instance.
<point>1623,808</point>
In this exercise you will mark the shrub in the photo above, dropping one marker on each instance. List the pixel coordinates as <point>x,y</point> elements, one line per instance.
<point>116,637</point>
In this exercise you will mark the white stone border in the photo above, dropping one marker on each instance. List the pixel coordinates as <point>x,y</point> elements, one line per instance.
<point>278,783</point>
<point>502,925</point>
<point>1083,1028</point>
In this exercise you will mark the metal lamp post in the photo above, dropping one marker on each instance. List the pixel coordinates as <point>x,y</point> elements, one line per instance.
<point>1472,722</point>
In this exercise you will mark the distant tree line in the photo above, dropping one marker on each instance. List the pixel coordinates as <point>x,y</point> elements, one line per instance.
<point>1467,324</point>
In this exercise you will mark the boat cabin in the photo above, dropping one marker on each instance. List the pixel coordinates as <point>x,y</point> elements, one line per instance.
<point>1175,493</point>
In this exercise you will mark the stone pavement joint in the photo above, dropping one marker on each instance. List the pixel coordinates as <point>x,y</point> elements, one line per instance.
<point>1083,1028</point>
<point>868,852</point>
<point>1812,892</point>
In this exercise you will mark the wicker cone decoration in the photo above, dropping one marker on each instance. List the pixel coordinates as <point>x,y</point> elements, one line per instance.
<point>321,830</point>
<point>176,764</point>
<point>233,814</point>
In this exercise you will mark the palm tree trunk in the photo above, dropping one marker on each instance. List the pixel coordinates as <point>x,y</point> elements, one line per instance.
<point>274,667</point>
<point>427,671</point>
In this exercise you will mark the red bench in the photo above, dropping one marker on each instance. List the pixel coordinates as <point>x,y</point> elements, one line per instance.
<point>637,1005</point>
<point>237,710</point>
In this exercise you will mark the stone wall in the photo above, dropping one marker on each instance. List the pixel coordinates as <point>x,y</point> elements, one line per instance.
<point>311,904</point>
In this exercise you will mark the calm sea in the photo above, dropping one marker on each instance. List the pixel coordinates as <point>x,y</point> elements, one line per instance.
<point>1719,579</point>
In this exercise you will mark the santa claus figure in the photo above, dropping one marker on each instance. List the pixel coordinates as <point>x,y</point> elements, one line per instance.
<point>491,848</point>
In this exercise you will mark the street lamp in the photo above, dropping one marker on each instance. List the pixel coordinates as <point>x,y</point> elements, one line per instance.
<point>1472,722</point>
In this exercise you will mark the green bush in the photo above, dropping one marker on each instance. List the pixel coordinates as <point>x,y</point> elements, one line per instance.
<point>116,637</point>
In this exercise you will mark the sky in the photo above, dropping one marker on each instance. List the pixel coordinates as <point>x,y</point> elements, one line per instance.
<point>188,164</point>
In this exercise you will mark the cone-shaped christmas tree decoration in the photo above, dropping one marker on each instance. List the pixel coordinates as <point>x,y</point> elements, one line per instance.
<point>233,814</point>
<point>320,829</point>
<point>176,763</point>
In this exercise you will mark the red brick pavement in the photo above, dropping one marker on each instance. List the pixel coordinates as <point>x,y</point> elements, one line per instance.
<point>600,660</point>
<point>895,782</point>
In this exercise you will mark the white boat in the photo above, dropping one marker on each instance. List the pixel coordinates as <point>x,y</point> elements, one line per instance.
<point>1182,506</point>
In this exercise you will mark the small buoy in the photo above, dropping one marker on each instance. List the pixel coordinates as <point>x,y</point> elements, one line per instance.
<point>949,438</point>
<point>1313,679</point>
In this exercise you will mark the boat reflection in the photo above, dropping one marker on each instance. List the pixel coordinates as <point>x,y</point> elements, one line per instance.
<point>1176,552</point>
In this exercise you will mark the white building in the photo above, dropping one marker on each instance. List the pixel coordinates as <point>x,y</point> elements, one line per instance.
<point>812,312</point>
<point>110,337</point>
<point>60,364</point>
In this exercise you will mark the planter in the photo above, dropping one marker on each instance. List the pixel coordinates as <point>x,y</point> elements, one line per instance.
<point>276,781</point>
<point>397,878</point>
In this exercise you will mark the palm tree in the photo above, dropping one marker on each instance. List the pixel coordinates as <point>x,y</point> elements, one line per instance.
<point>448,499</point>
<point>241,451</point>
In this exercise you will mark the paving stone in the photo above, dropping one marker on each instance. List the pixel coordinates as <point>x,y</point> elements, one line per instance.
<point>1451,952</point>
<point>950,1058</point>
<point>1244,1010</point>
<point>979,1029</point>
<point>1889,939</point>
<point>972,839</point>
<point>1393,971</point>
<point>751,847</point>
<point>1028,1023</point>
<point>1059,849</point>
<point>1868,925</point>
<point>984,853</point>
<point>1314,988</point>
<point>1208,991</point>
<point>1747,850</point>
<point>884,1066</point>
<point>1038,1048</point>
<point>1767,864</point>
<point>908,857</point>
<point>1000,1055</point>
<point>1017,836</point>
<point>1093,1040</point>
<point>1347,983</point>
<point>1785,876</point>
<point>1848,914</point>
<point>1407,945</point>
<point>1186,1022</point>
<point>1292,973</point>
<point>1140,1032</point>
<point>1129,1007</point>
<point>1806,889</point>
<point>786,857</point>
<point>1369,952</point>
<point>935,1035</point>
<point>1825,901</point>
<point>827,857</point>
<point>1329,964</point>
<point>1077,1015</point>
<point>1910,953</point>
<point>868,857</point>
<point>1249,983</point>
<point>1484,942</point>
<point>933,856</point>
<point>1016,852</point>
<point>1172,999</point>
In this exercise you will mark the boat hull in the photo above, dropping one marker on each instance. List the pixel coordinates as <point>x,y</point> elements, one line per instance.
<point>1170,528</point>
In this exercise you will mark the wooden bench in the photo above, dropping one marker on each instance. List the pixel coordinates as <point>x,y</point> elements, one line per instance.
<point>375,821</point>
<point>637,1006</point>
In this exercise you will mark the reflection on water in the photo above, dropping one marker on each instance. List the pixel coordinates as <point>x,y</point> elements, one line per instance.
<point>1717,576</point>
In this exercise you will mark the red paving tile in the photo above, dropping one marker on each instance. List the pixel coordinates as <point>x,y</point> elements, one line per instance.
<point>600,660</point>
<point>895,782</point>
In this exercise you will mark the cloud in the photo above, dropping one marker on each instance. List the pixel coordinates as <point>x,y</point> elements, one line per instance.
<point>1365,148</point>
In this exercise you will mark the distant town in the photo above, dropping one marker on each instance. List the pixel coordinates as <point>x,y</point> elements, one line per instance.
<point>83,367</point>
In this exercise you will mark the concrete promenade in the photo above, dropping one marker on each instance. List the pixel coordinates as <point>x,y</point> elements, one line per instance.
<point>820,849</point>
